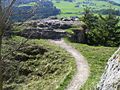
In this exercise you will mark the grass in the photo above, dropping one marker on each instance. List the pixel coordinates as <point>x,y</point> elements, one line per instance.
<point>57,67</point>
<point>68,9</point>
<point>70,31</point>
<point>97,57</point>
<point>28,4</point>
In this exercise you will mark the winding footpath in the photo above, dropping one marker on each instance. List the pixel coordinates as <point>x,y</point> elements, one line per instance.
<point>82,72</point>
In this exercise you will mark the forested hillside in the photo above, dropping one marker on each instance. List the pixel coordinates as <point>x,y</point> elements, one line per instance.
<point>33,9</point>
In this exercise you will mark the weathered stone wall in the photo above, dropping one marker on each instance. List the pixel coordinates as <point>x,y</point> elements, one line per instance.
<point>46,28</point>
<point>79,36</point>
<point>35,33</point>
<point>110,79</point>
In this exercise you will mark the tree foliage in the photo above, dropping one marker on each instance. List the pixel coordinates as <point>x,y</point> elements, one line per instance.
<point>103,30</point>
<point>89,18</point>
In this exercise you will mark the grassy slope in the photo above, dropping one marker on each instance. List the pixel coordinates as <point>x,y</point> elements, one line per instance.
<point>57,58</point>
<point>28,4</point>
<point>97,57</point>
<point>70,7</point>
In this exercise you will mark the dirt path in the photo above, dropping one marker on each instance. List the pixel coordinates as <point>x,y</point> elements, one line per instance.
<point>82,66</point>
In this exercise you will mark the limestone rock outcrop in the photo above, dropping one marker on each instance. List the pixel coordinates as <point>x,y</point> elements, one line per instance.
<point>110,79</point>
<point>47,28</point>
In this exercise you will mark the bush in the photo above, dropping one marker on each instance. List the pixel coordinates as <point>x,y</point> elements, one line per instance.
<point>102,30</point>
<point>89,18</point>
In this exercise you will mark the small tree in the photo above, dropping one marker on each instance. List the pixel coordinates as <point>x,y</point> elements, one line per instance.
<point>89,18</point>
<point>102,30</point>
<point>111,28</point>
<point>106,33</point>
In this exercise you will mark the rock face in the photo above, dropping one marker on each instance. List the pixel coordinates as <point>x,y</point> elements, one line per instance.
<point>79,36</point>
<point>47,28</point>
<point>34,33</point>
<point>53,23</point>
<point>110,80</point>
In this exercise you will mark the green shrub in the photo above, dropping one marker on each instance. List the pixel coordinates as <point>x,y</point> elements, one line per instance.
<point>102,30</point>
<point>89,18</point>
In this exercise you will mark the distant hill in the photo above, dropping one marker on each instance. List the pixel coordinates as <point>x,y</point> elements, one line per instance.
<point>76,7</point>
<point>34,9</point>
<point>61,8</point>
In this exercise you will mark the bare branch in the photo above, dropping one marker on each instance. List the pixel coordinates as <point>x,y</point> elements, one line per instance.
<point>5,21</point>
<point>8,11</point>
<point>1,11</point>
